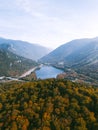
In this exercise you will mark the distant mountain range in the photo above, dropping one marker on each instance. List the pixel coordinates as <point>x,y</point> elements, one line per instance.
<point>12,64</point>
<point>25,49</point>
<point>74,53</point>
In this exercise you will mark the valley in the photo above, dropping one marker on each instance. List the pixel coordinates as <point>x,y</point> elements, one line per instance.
<point>78,59</point>
<point>58,91</point>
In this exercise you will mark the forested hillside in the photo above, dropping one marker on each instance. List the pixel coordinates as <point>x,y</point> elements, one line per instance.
<point>12,64</point>
<point>48,105</point>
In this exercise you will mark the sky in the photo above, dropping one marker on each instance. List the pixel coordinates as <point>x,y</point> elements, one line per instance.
<point>49,23</point>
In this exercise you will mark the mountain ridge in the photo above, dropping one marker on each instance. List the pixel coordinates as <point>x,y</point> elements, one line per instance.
<point>71,51</point>
<point>25,49</point>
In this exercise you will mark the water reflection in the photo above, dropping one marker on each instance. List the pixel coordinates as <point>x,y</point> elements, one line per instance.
<point>48,72</point>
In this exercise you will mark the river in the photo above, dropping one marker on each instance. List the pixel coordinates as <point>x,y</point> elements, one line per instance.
<point>47,72</point>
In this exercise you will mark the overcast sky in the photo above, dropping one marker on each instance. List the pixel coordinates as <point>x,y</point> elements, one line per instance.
<point>48,22</point>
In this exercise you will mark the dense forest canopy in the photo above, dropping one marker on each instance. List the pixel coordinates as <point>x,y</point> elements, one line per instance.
<point>48,105</point>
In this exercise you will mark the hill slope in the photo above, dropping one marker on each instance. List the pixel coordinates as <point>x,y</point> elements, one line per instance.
<point>76,52</point>
<point>12,64</point>
<point>25,49</point>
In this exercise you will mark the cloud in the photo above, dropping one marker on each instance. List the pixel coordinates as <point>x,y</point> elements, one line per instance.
<point>32,7</point>
<point>25,5</point>
<point>49,21</point>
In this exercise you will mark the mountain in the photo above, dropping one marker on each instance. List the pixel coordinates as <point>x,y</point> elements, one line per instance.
<point>25,49</point>
<point>80,51</point>
<point>12,64</point>
<point>78,58</point>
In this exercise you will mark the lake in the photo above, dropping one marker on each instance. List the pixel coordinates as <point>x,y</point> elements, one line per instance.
<point>47,72</point>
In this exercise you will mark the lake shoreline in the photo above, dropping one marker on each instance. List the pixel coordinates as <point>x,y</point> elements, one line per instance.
<point>49,68</point>
<point>48,71</point>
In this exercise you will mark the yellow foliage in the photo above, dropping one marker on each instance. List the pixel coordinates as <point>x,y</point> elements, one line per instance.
<point>46,116</point>
<point>46,128</point>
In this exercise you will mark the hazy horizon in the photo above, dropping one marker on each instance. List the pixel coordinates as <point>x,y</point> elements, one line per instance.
<point>49,23</point>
